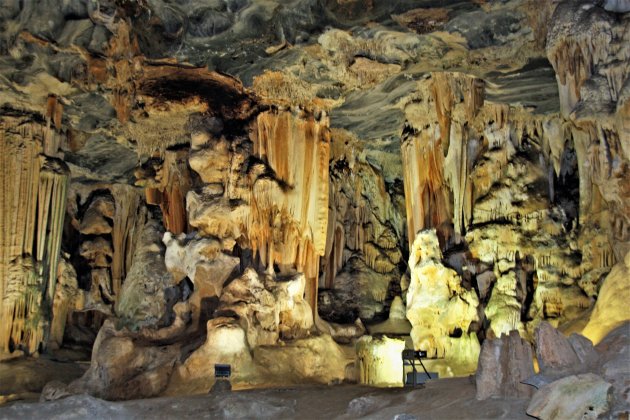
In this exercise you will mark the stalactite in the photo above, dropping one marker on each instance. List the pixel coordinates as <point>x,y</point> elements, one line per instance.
<point>494,156</point>
<point>423,175</point>
<point>34,200</point>
<point>129,218</point>
<point>439,152</point>
<point>597,48</point>
<point>289,218</point>
<point>54,181</point>
<point>169,189</point>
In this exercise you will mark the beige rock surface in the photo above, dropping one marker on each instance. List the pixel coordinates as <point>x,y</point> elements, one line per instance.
<point>581,396</point>
<point>380,361</point>
<point>437,305</point>
<point>611,309</point>
<point>329,139</point>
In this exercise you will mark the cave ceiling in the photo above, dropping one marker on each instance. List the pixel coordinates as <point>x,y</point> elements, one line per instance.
<point>360,60</point>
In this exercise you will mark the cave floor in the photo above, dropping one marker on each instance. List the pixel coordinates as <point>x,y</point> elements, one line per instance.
<point>23,378</point>
<point>439,399</point>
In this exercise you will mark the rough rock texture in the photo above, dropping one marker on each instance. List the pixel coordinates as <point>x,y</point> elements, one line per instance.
<point>365,230</point>
<point>613,361</point>
<point>67,298</point>
<point>595,383</point>
<point>268,310</point>
<point>583,348</point>
<point>202,261</point>
<point>503,364</point>
<point>314,359</point>
<point>34,188</point>
<point>227,164</point>
<point>270,192</point>
<point>438,305</point>
<point>142,299</point>
<point>581,396</point>
<point>123,368</point>
<point>553,350</point>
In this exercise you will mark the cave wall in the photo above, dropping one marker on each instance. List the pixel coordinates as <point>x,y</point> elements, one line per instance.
<point>361,269</point>
<point>530,209</point>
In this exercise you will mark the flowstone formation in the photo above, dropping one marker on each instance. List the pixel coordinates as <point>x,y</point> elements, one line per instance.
<point>304,189</point>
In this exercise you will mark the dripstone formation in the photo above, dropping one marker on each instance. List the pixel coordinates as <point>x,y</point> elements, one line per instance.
<point>303,189</point>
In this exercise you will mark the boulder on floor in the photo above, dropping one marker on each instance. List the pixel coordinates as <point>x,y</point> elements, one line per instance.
<point>584,396</point>
<point>613,364</point>
<point>553,350</point>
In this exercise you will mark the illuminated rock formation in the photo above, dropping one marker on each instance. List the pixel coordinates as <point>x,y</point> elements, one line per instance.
<point>610,310</point>
<point>297,152</point>
<point>254,315</point>
<point>267,313</point>
<point>379,361</point>
<point>313,360</point>
<point>242,181</point>
<point>543,251</point>
<point>439,308</point>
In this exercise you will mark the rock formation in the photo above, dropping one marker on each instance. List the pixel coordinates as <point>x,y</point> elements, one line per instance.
<point>439,309</point>
<point>577,380</point>
<point>375,362</point>
<point>584,396</point>
<point>34,189</point>
<point>303,189</point>
<point>503,366</point>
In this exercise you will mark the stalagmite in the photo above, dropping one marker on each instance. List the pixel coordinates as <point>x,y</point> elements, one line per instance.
<point>495,157</point>
<point>304,189</point>
<point>438,306</point>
